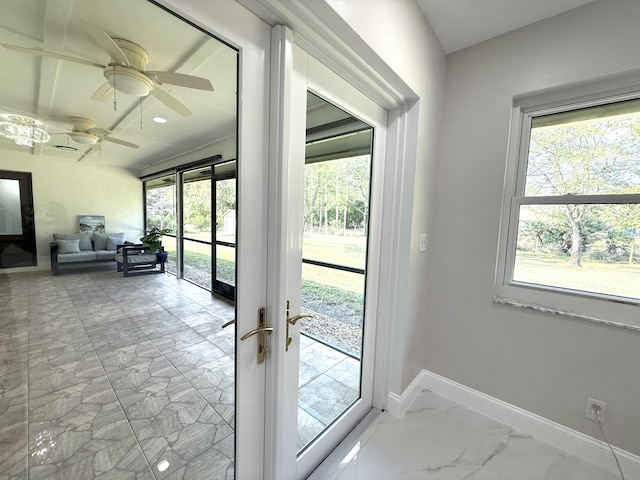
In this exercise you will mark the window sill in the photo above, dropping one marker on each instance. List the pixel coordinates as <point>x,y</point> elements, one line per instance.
<point>562,313</point>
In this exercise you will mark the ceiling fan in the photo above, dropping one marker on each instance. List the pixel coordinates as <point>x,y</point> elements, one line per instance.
<point>85,132</point>
<point>126,72</point>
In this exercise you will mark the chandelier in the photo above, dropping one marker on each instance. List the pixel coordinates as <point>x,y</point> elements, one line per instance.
<point>23,131</point>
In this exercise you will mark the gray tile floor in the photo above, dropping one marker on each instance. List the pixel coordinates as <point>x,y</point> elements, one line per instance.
<point>108,377</point>
<point>104,377</point>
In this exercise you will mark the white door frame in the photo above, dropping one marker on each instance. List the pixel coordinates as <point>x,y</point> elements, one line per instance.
<point>294,72</point>
<point>314,24</point>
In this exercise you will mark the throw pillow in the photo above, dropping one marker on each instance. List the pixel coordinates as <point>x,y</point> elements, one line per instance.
<point>114,240</point>
<point>68,246</point>
<point>84,237</point>
<point>85,241</point>
<point>100,241</point>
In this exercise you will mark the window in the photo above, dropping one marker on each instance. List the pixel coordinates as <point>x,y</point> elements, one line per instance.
<point>571,221</point>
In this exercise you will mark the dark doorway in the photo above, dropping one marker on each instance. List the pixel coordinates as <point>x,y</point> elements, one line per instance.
<point>17,226</point>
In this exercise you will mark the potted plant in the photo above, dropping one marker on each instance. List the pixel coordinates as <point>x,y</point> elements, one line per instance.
<point>153,239</point>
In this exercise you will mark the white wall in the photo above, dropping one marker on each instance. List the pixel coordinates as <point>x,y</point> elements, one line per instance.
<point>64,189</point>
<point>402,37</point>
<point>544,364</point>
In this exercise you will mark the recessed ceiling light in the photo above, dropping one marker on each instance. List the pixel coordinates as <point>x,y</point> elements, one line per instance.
<point>159,120</point>
<point>163,465</point>
<point>68,148</point>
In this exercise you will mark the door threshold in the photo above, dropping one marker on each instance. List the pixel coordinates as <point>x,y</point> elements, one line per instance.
<point>348,448</point>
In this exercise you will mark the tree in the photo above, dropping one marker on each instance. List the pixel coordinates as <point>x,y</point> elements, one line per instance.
<point>584,158</point>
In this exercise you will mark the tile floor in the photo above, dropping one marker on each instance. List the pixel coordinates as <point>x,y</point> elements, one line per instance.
<point>438,439</point>
<point>329,381</point>
<point>103,377</point>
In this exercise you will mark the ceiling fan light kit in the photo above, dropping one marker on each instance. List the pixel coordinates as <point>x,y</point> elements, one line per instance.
<point>128,80</point>
<point>84,138</point>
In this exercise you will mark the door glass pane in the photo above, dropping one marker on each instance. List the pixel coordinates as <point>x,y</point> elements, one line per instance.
<point>336,214</point>
<point>196,226</point>
<point>169,244</point>
<point>160,202</point>
<point>226,264</point>
<point>225,246</point>
<point>10,208</point>
<point>197,263</point>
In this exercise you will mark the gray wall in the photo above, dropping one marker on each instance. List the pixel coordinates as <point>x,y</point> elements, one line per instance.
<point>547,365</point>
<point>449,325</point>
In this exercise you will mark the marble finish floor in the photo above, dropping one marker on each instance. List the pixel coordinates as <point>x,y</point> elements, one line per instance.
<point>105,377</point>
<point>438,439</point>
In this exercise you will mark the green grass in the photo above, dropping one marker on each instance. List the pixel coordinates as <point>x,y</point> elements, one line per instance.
<point>620,279</point>
<point>329,290</point>
<point>347,250</point>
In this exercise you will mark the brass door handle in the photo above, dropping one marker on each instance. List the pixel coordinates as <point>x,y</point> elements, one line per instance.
<point>256,331</point>
<point>295,318</point>
<point>262,331</point>
<point>292,321</point>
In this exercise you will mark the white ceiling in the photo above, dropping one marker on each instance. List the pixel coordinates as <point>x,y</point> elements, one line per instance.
<point>461,23</point>
<point>52,90</point>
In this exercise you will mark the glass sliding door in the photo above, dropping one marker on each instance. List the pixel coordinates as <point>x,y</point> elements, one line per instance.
<point>160,212</point>
<point>196,234</point>
<point>203,249</point>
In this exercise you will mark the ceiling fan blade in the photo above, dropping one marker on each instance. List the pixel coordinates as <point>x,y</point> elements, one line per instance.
<point>171,102</point>
<point>103,39</point>
<point>181,80</point>
<point>102,92</point>
<point>44,53</point>
<point>98,131</point>
<point>120,142</point>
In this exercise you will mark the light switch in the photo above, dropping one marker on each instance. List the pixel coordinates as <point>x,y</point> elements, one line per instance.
<point>423,242</point>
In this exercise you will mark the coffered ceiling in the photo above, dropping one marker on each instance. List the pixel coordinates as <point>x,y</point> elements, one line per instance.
<point>52,90</point>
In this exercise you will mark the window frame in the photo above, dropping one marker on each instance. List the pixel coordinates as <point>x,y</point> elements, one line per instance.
<point>601,308</point>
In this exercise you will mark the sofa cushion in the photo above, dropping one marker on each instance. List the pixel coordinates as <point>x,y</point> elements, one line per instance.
<point>84,237</point>
<point>135,259</point>
<point>76,257</point>
<point>105,254</point>
<point>100,241</point>
<point>68,246</point>
<point>113,240</point>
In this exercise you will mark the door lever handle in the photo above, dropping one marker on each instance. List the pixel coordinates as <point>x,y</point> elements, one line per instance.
<point>295,318</point>
<point>256,331</point>
<point>292,321</point>
<point>262,331</point>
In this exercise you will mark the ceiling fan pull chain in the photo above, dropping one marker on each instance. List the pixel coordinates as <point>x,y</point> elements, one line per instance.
<point>140,103</point>
<point>115,105</point>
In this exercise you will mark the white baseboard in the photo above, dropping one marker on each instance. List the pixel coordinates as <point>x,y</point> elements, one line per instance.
<point>571,441</point>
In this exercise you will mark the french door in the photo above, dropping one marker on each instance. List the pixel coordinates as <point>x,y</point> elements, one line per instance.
<point>319,385</point>
<point>271,151</point>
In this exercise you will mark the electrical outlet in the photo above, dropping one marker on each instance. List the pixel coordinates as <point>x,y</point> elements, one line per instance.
<point>594,406</point>
<point>423,242</point>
